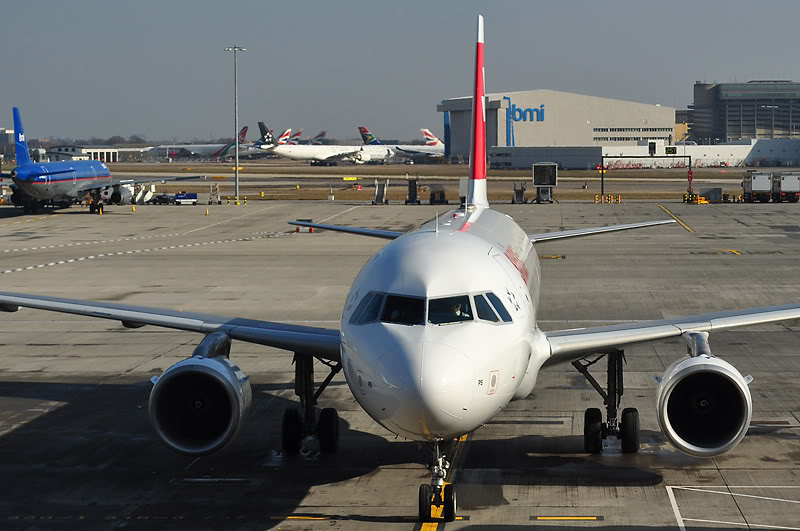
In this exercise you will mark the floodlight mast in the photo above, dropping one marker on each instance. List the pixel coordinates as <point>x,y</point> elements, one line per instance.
<point>235,49</point>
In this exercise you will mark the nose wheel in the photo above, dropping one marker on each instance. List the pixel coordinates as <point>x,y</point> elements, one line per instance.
<point>301,430</point>
<point>626,428</point>
<point>437,493</point>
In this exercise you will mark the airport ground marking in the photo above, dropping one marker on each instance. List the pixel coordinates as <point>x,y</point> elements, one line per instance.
<point>568,518</point>
<point>676,218</point>
<point>95,242</point>
<point>153,249</point>
<point>229,220</point>
<point>339,214</point>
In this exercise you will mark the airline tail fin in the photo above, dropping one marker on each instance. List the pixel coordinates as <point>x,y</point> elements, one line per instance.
<point>285,136</point>
<point>430,138</point>
<point>318,138</point>
<point>296,137</point>
<point>368,138</point>
<point>477,149</point>
<point>266,136</point>
<point>23,155</point>
<point>243,135</point>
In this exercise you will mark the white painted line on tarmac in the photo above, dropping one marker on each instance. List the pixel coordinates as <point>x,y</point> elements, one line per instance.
<point>229,220</point>
<point>152,249</point>
<point>339,214</point>
<point>75,244</point>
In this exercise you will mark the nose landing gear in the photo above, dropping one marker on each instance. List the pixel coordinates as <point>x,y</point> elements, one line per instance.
<point>438,493</point>
<point>626,429</point>
<point>301,431</point>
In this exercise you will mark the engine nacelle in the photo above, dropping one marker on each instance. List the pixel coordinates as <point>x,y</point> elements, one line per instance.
<point>704,405</point>
<point>199,404</point>
<point>122,195</point>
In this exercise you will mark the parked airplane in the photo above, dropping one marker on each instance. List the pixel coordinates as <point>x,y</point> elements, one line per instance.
<point>438,334</point>
<point>323,154</point>
<point>215,151</point>
<point>296,138</point>
<point>39,183</point>
<point>432,148</point>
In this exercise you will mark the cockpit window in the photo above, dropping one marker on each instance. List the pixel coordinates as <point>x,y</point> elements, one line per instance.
<point>501,310</point>
<point>368,309</point>
<point>449,310</point>
<point>403,310</point>
<point>483,309</point>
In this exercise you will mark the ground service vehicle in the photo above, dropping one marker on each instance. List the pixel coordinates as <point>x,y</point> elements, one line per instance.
<point>786,187</point>
<point>757,186</point>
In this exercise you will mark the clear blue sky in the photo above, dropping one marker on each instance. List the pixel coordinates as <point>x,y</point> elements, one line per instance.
<point>157,68</point>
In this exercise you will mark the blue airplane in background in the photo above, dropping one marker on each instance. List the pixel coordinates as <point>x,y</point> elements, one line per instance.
<point>60,183</point>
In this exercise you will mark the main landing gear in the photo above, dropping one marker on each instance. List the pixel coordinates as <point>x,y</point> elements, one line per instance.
<point>595,430</point>
<point>437,493</point>
<point>300,428</point>
<point>95,204</point>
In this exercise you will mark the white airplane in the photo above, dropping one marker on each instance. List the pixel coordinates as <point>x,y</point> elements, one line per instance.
<point>433,146</point>
<point>439,334</point>
<point>323,154</point>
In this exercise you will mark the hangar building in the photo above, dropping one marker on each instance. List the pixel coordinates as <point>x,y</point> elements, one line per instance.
<point>550,118</point>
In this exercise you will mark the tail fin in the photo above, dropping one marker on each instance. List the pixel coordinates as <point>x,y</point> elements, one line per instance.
<point>430,138</point>
<point>266,136</point>
<point>477,149</point>
<point>368,138</point>
<point>243,135</point>
<point>318,138</point>
<point>284,138</point>
<point>23,155</point>
<point>296,137</point>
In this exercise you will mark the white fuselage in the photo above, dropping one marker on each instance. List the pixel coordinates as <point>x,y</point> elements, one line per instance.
<point>312,152</point>
<point>411,150</point>
<point>438,381</point>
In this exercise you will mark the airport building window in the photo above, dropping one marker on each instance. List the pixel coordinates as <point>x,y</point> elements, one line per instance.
<point>484,309</point>
<point>403,310</point>
<point>501,310</point>
<point>449,310</point>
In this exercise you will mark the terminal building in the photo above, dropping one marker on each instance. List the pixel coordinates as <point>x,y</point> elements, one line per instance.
<point>724,112</point>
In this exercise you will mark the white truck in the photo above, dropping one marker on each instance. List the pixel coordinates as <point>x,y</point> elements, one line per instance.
<point>757,186</point>
<point>786,187</point>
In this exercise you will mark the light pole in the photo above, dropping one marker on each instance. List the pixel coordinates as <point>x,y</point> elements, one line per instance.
<point>236,49</point>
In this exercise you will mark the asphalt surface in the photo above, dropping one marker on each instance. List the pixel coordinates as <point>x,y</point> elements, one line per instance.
<point>77,450</point>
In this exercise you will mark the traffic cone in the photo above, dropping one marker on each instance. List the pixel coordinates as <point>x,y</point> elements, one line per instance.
<point>133,208</point>
<point>206,212</point>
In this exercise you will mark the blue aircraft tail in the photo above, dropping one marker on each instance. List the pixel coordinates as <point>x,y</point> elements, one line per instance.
<point>23,155</point>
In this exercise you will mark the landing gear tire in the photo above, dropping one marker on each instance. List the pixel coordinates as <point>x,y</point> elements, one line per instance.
<point>328,430</point>
<point>291,431</point>
<point>449,512</point>
<point>425,502</point>
<point>593,431</point>
<point>629,430</point>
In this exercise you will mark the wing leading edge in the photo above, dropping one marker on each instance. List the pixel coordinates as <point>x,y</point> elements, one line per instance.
<point>320,342</point>
<point>375,233</point>
<point>570,345</point>
<point>545,236</point>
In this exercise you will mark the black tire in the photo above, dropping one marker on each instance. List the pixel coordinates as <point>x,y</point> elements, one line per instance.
<point>328,430</point>
<point>629,429</point>
<point>593,431</point>
<point>449,512</point>
<point>91,208</point>
<point>425,497</point>
<point>291,431</point>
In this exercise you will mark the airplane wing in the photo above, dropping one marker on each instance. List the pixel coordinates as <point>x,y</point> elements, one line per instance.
<point>319,342</point>
<point>570,345</point>
<point>375,233</point>
<point>416,152</point>
<point>545,236</point>
<point>137,180</point>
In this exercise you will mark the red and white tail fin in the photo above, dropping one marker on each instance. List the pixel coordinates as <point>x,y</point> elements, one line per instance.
<point>477,150</point>
<point>430,138</point>
<point>296,137</point>
<point>318,138</point>
<point>243,135</point>
<point>284,138</point>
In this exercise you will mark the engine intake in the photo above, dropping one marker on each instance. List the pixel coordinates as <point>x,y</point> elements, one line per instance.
<point>121,196</point>
<point>199,404</point>
<point>704,404</point>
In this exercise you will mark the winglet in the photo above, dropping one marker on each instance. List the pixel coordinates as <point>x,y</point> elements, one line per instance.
<point>477,151</point>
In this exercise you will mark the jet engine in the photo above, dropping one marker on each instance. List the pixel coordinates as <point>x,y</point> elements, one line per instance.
<point>198,405</point>
<point>121,195</point>
<point>361,157</point>
<point>703,403</point>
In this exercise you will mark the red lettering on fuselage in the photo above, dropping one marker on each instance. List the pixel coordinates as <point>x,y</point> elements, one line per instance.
<point>515,260</point>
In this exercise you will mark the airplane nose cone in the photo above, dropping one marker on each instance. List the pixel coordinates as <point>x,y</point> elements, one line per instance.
<point>446,389</point>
